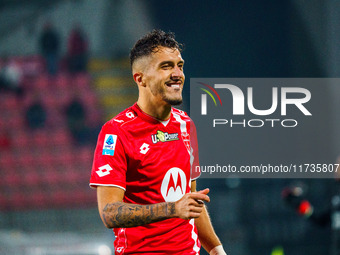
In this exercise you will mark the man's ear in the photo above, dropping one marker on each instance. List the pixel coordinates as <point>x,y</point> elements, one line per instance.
<point>138,78</point>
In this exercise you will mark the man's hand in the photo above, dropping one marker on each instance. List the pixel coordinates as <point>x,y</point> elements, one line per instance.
<point>191,204</point>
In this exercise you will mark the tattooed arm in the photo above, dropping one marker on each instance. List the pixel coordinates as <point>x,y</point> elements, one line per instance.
<point>116,214</point>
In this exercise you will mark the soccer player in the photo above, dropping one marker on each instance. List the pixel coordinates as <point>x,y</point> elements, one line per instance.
<point>142,162</point>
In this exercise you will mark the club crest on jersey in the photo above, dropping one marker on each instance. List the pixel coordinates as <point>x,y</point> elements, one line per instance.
<point>109,144</point>
<point>164,137</point>
<point>186,140</point>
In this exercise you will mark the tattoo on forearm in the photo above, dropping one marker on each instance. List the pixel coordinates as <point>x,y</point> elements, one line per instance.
<point>124,215</point>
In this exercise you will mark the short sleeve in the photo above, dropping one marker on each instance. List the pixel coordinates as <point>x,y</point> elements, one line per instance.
<point>109,163</point>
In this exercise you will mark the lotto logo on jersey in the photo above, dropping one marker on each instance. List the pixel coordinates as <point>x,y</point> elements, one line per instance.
<point>109,144</point>
<point>164,137</point>
<point>174,185</point>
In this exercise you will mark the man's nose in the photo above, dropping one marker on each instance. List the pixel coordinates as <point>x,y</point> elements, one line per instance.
<point>177,72</point>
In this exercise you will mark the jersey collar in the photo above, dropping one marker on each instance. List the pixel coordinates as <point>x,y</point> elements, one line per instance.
<point>149,118</point>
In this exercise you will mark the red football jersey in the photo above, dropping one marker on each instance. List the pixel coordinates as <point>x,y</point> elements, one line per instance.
<point>151,160</point>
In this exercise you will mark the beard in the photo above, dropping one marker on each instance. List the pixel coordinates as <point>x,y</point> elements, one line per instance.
<point>166,98</point>
<point>171,101</point>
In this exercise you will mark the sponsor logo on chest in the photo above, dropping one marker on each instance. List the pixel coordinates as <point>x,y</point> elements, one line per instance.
<point>164,137</point>
<point>174,185</point>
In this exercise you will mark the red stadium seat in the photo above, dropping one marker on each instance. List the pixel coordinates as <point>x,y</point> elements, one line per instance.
<point>61,137</point>
<point>46,160</point>
<point>62,198</point>
<point>80,198</point>
<point>21,142</point>
<point>7,161</point>
<point>39,199</point>
<point>63,81</point>
<point>41,138</point>
<point>3,122</point>
<point>3,202</point>
<point>26,159</point>
<point>94,116</point>
<point>31,177</point>
<point>42,83</point>
<point>28,100</point>
<point>16,120</point>
<point>89,99</point>
<point>49,100</point>
<point>55,118</point>
<point>65,97</point>
<point>65,158</point>
<point>9,102</point>
<point>82,81</point>
<point>85,154</point>
<point>18,200</point>
<point>50,177</point>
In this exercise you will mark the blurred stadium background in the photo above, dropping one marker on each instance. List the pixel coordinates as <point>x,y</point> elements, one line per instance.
<point>46,205</point>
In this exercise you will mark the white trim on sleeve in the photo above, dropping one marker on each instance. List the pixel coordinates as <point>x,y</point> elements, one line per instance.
<point>94,185</point>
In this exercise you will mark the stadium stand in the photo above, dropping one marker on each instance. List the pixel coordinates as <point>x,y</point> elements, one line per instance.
<point>44,168</point>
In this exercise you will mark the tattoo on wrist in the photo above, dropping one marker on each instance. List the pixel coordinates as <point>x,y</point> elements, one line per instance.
<point>119,214</point>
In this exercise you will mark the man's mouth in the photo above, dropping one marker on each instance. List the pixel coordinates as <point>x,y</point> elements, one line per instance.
<point>174,85</point>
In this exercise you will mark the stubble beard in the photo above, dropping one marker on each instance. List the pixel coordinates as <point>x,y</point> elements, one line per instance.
<point>162,92</point>
<point>172,101</point>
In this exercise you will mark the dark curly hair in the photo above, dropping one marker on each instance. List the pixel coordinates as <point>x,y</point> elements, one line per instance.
<point>151,41</point>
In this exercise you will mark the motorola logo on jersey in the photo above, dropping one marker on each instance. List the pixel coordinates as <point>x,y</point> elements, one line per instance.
<point>164,137</point>
<point>174,185</point>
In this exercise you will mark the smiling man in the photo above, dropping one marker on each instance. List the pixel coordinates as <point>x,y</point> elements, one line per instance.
<point>141,170</point>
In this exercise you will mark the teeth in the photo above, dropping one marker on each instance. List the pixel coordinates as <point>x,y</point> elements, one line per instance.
<point>174,86</point>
